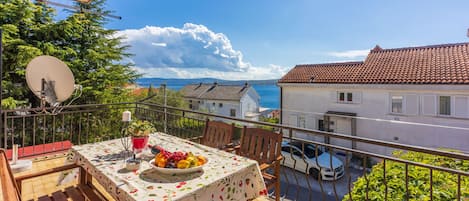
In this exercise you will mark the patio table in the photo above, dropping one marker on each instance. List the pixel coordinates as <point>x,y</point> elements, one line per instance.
<point>224,177</point>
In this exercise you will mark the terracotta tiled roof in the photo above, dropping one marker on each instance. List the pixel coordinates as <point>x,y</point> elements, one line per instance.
<point>214,91</point>
<point>436,64</point>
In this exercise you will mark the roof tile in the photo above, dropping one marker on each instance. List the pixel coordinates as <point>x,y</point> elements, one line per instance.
<point>435,64</point>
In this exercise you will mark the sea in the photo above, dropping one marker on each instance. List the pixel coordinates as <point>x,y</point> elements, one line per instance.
<point>267,89</point>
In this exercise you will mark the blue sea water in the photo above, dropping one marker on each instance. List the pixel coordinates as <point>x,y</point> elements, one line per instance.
<point>269,93</point>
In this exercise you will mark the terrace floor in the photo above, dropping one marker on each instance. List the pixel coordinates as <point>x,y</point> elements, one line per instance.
<point>34,188</point>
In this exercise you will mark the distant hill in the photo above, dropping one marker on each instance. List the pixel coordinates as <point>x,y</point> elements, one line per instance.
<point>145,82</point>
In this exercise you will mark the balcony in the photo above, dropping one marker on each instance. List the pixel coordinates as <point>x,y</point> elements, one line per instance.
<point>46,138</point>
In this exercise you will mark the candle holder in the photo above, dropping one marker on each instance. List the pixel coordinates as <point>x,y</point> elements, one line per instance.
<point>125,140</point>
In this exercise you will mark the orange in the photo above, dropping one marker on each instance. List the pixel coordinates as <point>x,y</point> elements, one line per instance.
<point>161,162</point>
<point>202,160</point>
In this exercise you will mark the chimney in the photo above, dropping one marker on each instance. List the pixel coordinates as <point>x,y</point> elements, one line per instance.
<point>377,48</point>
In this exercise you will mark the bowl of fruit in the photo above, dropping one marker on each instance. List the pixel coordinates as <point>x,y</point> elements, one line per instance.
<point>177,162</point>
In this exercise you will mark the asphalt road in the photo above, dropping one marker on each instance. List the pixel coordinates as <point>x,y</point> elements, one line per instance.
<point>297,186</point>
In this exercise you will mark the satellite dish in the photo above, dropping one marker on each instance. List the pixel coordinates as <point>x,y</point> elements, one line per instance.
<point>50,79</point>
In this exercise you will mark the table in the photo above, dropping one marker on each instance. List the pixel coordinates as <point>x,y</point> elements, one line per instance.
<point>225,177</point>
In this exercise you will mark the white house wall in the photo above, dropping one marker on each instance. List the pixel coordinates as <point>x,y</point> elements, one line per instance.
<point>310,102</point>
<point>250,102</point>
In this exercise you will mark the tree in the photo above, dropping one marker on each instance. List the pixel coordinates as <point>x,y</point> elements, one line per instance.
<point>98,63</point>
<point>24,24</point>
<point>444,183</point>
<point>173,98</point>
<point>91,51</point>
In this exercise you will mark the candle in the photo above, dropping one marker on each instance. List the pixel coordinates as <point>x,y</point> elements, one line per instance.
<point>15,154</point>
<point>126,116</point>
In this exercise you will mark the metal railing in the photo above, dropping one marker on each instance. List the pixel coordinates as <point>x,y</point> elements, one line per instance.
<point>324,172</point>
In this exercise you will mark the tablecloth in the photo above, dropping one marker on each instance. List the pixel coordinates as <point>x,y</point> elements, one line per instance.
<point>224,177</point>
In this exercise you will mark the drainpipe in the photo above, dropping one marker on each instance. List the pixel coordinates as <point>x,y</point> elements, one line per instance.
<point>281,106</point>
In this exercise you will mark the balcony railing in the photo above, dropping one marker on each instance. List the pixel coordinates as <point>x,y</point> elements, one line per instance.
<point>39,132</point>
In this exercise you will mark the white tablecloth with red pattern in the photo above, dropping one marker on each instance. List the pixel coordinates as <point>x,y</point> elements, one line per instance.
<point>225,177</point>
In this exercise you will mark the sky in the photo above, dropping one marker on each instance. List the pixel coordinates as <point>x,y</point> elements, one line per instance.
<point>263,39</point>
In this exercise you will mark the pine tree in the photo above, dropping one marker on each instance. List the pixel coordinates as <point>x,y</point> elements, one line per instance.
<point>150,91</point>
<point>23,24</point>
<point>98,63</point>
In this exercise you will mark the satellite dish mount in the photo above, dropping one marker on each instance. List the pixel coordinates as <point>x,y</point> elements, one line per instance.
<point>52,82</point>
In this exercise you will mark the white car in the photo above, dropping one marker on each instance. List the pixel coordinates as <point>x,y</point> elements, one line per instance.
<point>306,162</point>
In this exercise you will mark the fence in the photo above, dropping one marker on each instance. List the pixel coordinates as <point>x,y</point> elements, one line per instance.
<point>411,173</point>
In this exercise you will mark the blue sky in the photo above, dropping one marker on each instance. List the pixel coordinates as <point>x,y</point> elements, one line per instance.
<point>263,39</point>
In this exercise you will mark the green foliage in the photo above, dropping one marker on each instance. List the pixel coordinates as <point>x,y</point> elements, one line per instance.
<point>269,120</point>
<point>141,128</point>
<point>444,183</point>
<point>173,98</point>
<point>92,52</point>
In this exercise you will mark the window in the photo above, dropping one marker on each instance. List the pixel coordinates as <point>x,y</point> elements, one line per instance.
<point>349,97</point>
<point>190,101</point>
<point>345,97</point>
<point>220,104</point>
<point>321,125</point>
<point>396,104</point>
<point>297,153</point>
<point>233,112</point>
<point>190,106</point>
<point>341,97</point>
<point>213,103</point>
<point>444,105</point>
<point>301,122</point>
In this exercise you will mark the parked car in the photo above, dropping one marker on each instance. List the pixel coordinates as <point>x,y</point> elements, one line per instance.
<point>308,163</point>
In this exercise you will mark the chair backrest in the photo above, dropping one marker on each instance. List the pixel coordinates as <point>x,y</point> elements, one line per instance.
<point>261,145</point>
<point>217,134</point>
<point>8,186</point>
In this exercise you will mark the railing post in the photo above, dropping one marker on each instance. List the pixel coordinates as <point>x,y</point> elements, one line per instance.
<point>165,109</point>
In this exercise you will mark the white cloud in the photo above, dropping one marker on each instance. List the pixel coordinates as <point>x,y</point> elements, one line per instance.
<point>159,44</point>
<point>192,51</point>
<point>350,53</point>
<point>254,73</point>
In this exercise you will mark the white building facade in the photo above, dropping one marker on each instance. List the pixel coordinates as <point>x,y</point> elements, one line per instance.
<point>227,100</point>
<point>356,98</point>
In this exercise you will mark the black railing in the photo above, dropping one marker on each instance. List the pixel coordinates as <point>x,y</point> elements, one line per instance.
<point>347,174</point>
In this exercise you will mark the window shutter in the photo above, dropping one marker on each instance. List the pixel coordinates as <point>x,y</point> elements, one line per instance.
<point>411,104</point>
<point>333,96</point>
<point>429,105</point>
<point>293,120</point>
<point>357,97</point>
<point>461,106</point>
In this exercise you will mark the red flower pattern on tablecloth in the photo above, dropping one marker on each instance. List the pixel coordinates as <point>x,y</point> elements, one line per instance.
<point>216,181</point>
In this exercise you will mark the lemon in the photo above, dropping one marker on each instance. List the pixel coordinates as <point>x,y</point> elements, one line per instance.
<point>183,164</point>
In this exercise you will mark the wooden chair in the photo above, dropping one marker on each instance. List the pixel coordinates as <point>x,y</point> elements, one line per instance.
<point>218,135</point>
<point>265,147</point>
<point>11,187</point>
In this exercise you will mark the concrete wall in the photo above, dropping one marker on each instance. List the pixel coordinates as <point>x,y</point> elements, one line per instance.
<point>310,101</point>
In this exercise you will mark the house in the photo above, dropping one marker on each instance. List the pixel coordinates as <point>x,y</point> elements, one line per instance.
<point>227,100</point>
<point>412,95</point>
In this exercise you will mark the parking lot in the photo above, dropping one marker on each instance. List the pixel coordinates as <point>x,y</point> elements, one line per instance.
<point>298,186</point>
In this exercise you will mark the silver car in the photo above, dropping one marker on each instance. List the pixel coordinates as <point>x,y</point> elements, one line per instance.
<point>307,162</point>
